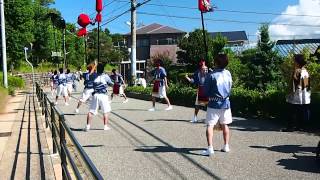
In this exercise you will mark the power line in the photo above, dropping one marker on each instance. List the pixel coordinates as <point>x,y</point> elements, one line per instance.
<point>123,13</point>
<point>226,20</point>
<point>233,11</point>
<point>165,11</point>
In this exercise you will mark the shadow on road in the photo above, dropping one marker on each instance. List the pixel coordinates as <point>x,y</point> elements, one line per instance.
<point>303,158</point>
<point>253,125</point>
<point>164,149</point>
<point>169,120</point>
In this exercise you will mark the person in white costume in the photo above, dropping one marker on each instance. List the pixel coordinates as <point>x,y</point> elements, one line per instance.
<point>100,97</point>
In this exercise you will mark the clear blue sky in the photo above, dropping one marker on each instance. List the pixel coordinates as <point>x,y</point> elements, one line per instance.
<point>70,10</point>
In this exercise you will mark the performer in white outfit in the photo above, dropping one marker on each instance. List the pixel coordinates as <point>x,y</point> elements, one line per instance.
<point>100,97</point>
<point>70,81</point>
<point>54,82</point>
<point>62,87</point>
<point>218,85</point>
<point>88,78</point>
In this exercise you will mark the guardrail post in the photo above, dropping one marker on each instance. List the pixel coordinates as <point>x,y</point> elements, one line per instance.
<point>42,101</point>
<point>46,110</point>
<point>53,128</point>
<point>63,147</point>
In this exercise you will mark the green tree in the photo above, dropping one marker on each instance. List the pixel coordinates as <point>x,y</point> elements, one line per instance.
<point>263,63</point>
<point>19,28</point>
<point>43,42</point>
<point>192,47</point>
<point>108,53</point>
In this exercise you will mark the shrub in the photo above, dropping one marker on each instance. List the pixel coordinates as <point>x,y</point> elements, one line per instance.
<point>14,81</point>
<point>3,99</point>
<point>244,102</point>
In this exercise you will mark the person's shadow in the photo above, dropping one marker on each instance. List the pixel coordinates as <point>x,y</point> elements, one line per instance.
<point>303,158</point>
<point>165,149</point>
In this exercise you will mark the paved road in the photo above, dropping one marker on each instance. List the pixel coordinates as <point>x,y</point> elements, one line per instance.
<point>164,145</point>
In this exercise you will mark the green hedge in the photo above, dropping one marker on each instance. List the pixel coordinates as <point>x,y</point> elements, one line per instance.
<point>3,99</point>
<point>13,81</point>
<point>244,102</point>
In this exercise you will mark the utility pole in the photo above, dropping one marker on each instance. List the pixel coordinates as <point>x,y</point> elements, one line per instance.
<point>204,37</point>
<point>4,46</point>
<point>133,40</point>
<point>64,49</point>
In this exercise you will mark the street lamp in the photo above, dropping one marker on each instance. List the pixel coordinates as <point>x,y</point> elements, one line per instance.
<point>26,57</point>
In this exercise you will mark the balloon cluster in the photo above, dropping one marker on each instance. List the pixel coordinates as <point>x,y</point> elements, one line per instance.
<point>84,20</point>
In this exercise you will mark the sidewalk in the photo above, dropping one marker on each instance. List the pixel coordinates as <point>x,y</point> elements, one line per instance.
<point>24,152</point>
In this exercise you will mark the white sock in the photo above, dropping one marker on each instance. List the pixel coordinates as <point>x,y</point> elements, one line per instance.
<point>88,126</point>
<point>210,148</point>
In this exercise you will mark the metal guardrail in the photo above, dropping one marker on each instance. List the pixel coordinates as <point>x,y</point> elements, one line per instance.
<point>75,163</point>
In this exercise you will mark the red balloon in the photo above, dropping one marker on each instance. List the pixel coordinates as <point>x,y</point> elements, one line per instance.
<point>98,17</point>
<point>99,5</point>
<point>82,32</point>
<point>83,20</point>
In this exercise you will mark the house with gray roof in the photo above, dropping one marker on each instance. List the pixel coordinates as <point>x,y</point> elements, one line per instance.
<point>156,39</point>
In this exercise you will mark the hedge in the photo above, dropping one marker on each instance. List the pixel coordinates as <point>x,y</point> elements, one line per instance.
<point>244,102</point>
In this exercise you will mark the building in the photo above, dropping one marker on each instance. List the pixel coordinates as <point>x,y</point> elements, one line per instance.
<point>236,40</point>
<point>297,46</point>
<point>156,39</point>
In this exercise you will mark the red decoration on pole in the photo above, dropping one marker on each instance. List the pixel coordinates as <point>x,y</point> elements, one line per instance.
<point>83,20</point>
<point>204,6</point>
<point>98,17</point>
<point>99,6</point>
<point>82,32</point>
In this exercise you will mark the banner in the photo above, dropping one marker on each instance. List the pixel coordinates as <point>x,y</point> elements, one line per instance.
<point>204,6</point>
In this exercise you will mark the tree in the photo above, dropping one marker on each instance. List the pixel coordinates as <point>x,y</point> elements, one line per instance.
<point>263,63</point>
<point>19,25</point>
<point>74,47</point>
<point>43,42</point>
<point>192,47</point>
<point>108,53</point>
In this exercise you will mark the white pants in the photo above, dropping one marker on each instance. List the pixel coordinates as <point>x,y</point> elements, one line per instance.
<point>102,101</point>
<point>69,87</point>
<point>224,116</point>
<point>62,90</point>
<point>87,93</point>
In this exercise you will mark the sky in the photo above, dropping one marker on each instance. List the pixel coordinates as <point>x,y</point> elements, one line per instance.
<point>289,19</point>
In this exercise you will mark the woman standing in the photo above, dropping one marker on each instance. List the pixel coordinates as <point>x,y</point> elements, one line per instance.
<point>160,84</point>
<point>299,96</point>
<point>198,79</point>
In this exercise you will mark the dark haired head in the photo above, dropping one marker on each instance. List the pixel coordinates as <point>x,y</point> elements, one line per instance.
<point>114,70</point>
<point>68,71</point>
<point>61,70</point>
<point>299,59</point>
<point>100,68</point>
<point>158,62</point>
<point>55,72</point>
<point>221,61</point>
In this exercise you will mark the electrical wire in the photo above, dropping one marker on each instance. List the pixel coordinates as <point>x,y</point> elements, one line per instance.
<point>232,11</point>
<point>227,20</point>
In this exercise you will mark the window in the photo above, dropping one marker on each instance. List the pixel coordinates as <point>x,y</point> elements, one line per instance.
<point>167,41</point>
<point>143,43</point>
